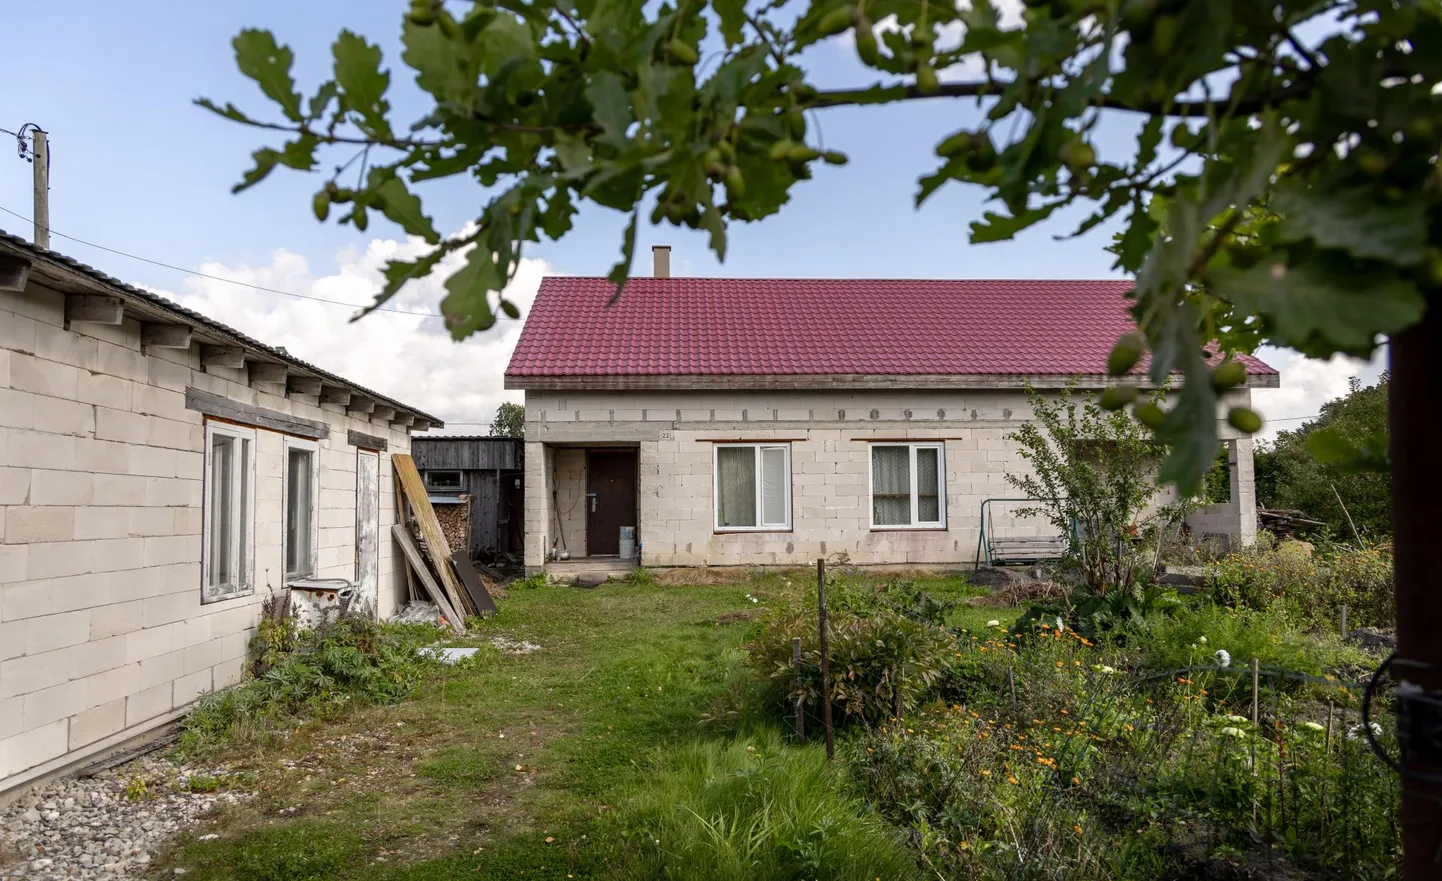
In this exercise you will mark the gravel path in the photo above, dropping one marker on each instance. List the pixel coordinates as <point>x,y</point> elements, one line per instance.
<point>108,826</point>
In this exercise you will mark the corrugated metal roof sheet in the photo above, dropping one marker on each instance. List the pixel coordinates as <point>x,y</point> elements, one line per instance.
<point>804,327</point>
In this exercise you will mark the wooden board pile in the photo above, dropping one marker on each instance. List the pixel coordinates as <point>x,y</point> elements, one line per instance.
<point>449,579</point>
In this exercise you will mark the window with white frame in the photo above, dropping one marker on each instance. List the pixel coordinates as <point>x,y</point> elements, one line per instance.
<point>443,480</point>
<point>753,486</point>
<point>229,516</point>
<point>908,486</point>
<point>300,507</point>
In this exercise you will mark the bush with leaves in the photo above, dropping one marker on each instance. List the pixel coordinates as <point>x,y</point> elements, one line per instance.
<point>349,661</point>
<point>1092,477</point>
<point>1311,588</point>
<point>881,664</point>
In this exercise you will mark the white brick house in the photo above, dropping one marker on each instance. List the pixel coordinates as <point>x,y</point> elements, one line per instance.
<point>160,473</point>
<point>775,421</point>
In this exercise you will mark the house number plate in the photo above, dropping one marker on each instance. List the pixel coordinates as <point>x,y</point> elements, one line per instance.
<point>668,435</point>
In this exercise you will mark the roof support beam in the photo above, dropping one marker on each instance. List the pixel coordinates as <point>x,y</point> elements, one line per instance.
<point>222,356</point>
<point>14,273</point>
<point>382,413</point>
<point>165,336</point>
<point>421,425</point>
<point>266,371</point>
<point>303,385</point>
<point>361,404</point>
<point>93,309</point>
<point>332,394</point>
<point>403,419</point>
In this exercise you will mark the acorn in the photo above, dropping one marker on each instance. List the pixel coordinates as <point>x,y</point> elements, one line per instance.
<point>1149,414</point>
<point>1126,353</point>
<point>1117,397</point>
<point>1228,375</point>
<point>1244,419</point>
<point>836,21</point>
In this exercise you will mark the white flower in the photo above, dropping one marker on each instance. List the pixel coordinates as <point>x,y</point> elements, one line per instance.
<point>1313,726</point>
<point>1224,658</point>
<point>1233,717</point>
<point>1355,732</point>
<point>754,600</point>
<point>993,623</point>
<point>1060,625</point>
<point>1233,732</point>
<point>1202,640</point>
<point>1106,669</point>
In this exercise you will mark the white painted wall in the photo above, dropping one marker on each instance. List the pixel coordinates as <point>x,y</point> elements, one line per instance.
<point>829,474</point>
<point>102,632</point>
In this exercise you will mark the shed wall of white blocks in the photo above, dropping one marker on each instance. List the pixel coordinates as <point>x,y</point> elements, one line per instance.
<point>830,494</point>
<point>102,630</point>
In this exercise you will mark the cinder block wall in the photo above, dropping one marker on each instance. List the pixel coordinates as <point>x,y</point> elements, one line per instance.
<point>829,469</point>
<point>102,631</point>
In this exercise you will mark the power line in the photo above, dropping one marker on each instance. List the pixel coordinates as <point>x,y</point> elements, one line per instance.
<point>221,278</point>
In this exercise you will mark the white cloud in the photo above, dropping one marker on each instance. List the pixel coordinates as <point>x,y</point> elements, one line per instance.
<point>410,358</point>
<point>1307,384</point>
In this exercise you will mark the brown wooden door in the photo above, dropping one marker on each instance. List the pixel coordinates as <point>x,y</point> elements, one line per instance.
<point>610,499</point>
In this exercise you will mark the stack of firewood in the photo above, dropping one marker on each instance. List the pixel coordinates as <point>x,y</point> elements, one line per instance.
<point>455,523</point>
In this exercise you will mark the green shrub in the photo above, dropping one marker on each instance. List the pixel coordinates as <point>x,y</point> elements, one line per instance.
<point>753,810</point>
<point>1311,589</point>
<point>880,664</point>
<point>352,660</point>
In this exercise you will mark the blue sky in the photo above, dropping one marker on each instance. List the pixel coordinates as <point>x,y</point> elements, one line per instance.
<point>138,168</point>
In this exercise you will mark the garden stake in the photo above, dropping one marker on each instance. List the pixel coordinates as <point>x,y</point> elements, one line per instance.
<point>825,656</point>
<point>800,696</point>
<point>1344,620</point>
<point>1327,744</point>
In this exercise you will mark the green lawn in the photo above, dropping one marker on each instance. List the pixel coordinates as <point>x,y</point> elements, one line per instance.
<point>470,778</point>
<point>506,768</point>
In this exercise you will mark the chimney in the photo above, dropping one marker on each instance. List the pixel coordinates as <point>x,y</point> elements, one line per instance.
<point>661,261</point>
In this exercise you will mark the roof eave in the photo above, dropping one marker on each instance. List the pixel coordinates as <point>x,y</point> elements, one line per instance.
<point>715,382</point>
<point>67,275</point>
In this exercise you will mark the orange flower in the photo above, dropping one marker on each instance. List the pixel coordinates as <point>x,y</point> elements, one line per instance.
<point>1075,782</point>
<point>1076,829</point>
<point>1012,780</point>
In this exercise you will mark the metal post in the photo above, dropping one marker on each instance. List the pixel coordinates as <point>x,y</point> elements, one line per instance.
<point>1415,415</point>
<point>40,159</point>
<point>800,697</point>
<point>825,656</point>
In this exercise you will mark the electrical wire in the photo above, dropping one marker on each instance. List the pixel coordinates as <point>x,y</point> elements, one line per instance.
<point>243,284</point>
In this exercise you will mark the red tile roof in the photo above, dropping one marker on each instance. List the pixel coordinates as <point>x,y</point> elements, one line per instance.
<point>780,327</point>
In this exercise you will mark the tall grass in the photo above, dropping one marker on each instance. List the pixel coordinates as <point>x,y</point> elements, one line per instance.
<point>753,809</point>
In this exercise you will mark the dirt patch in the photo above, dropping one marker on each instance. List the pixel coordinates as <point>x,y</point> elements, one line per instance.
<point>1019,594</point>
<point>739,617</point>
<point>703,576</point>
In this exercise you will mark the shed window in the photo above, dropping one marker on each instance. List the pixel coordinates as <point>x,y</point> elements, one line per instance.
<point>907,486</point>
<point>228,564</point>
<point>753,486</point>
<point>300,508</point>
<point>443,480</point>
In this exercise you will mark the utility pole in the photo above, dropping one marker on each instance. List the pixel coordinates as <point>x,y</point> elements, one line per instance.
<point>40,159</point>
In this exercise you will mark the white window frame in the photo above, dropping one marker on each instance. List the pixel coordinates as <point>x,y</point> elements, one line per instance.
<point>242,490</point>
<point>756,448</point>
<point>912,447</point>
<point>295,443</point>
<point>459,485</point>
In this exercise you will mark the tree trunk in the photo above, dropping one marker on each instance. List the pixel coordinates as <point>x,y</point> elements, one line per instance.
<point>1415,419</point>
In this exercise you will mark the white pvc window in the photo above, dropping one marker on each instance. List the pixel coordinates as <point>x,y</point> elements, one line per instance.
<point>753,487</point>
<point>301,507</point>
<point>228,528</point>
<point>908,486</point>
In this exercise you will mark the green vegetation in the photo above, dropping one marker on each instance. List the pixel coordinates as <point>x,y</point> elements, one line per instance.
<point>651,738</point>
<point>1299,470</point>
<point>1310,587</point>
